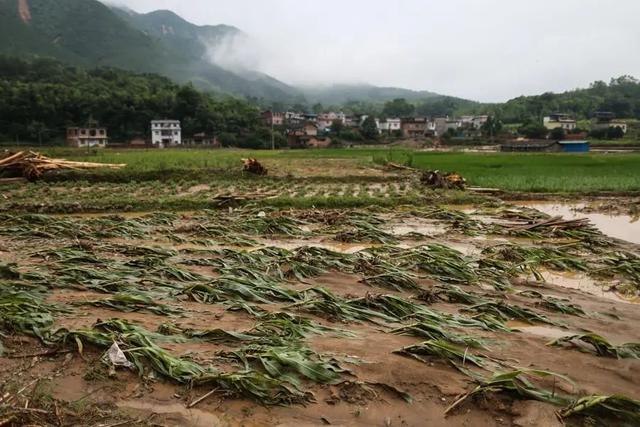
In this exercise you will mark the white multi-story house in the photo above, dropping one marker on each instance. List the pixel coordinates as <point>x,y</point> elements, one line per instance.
<point>557,120</point>
<point>325,120</point>
<point>389,125</point>
<point>166,132</point>
<point>605,120</point>
<point>478,121</point>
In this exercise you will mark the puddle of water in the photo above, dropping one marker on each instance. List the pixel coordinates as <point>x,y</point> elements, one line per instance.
<point>573,280</point>
<point>619,226</point>
<point>467,249</point>
<point>194,417</point>
<point>539,330</point>
<point>420,227</point>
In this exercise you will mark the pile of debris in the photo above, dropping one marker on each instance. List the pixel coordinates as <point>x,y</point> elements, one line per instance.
<point>437,179</point>
<point>31,165</point>
<point>254,167</point>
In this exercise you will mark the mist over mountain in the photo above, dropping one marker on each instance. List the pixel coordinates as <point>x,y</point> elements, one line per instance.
<point>219,58</point>
<point>88,33</point>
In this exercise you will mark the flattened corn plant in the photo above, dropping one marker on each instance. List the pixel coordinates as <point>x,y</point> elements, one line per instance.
<point>621,408</point>
<point>435,332</point>
<point>138,345</point>
<point>273,328</point>
<point>599,346</point>
<point>529,259</point>
<point>456,219</point>
<point>520,383</point>
<point>443,350</point>
<point>325,304</point>
<point>623,263</point>
<point>357,230</point>
<point>235,288</point>
<point>439,263</point>
<point>526,384</point>
<point>287,362</point>
<point>26,312</point>
<point>503,310</point>
<point>556,304</point>
<point>381,273</point>
<point>130,302</point>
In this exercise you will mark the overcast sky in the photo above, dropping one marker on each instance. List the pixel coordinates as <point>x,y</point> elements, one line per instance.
<point>487,50</point>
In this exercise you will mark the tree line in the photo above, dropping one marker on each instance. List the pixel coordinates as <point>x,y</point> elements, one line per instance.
<point>40,98</point>
<point>620,96</point>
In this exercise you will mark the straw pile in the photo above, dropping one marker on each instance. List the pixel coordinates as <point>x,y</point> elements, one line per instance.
<point>32,165</point>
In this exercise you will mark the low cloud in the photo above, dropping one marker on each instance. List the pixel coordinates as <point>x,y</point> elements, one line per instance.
<point>487,50</point>
<point>236,52</point>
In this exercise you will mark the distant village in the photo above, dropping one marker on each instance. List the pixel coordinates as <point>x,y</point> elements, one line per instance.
<point>304,130</point>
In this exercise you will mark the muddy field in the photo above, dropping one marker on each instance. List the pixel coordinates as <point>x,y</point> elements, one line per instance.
<point>491,314</point>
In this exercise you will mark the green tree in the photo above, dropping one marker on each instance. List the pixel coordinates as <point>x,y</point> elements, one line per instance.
<point>615,132</point>
<point>398,108</point>
<point>337,127</point>
<point>533,130</point>
<point>557,134</point>
<point>369,128</point>
<point>491,127</point>
<point>317,108</point>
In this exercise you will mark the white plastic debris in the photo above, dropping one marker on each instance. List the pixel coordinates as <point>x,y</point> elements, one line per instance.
<point>117,357</point>
<point>262,214</point>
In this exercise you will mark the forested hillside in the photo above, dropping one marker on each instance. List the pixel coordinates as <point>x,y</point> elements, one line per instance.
<point>40,98</point>
<point>88,33</point>
<point>620,96</point>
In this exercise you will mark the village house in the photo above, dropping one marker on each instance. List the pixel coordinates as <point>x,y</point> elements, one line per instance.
<point>91,136</point>
<point>390,125</point>
<point>293,119</point>
<point>603,120</point>
<point>202,140</point>
<point>166,133</point>
<point>272,118</point>
<point>467,121</point>
<point>558,120</point>
<point>413,127</point>
<point>351,121</point>
<point>325,120</point>
<point>309,117</point>
<point>306,136</point>
<point>478,121</point>
<point>441,125</point>
<point>289,115</point>
<point>473,122</point>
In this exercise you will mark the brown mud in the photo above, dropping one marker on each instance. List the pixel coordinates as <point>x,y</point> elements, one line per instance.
<point>364,396</point>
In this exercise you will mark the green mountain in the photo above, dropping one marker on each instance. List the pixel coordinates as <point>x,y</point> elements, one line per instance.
<point>88,33</point>
<point>339,94</point>
<point>177,33</point>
